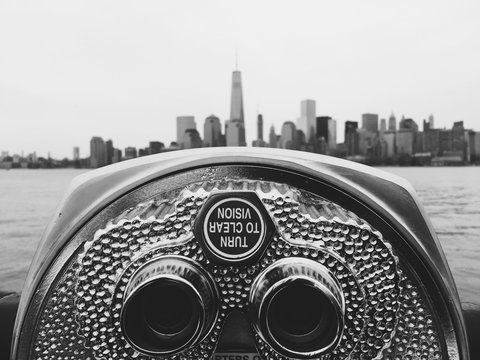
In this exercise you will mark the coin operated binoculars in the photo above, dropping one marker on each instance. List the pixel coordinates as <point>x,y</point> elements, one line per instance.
<point>239,254</point>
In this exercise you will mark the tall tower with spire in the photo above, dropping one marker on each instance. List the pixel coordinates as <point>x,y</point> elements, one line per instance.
<point>236,104</point>
<point>260,127</point>
<point>392,123</point>
<point>235,127</point>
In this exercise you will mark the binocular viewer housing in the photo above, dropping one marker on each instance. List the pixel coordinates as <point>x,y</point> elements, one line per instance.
<point>236,253</point>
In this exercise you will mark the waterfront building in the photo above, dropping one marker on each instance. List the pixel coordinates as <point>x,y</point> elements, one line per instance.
<point>259,127</point>
<point>322,127</point>
<point>301,141</point>
<point>383,125</point>
<point>431,122</point>
<point>155,147</point>
<point>76,153</point>
<point>130,153</point>
<point>370,122</point>
<point>426,125</point>
<point>234,133</point>
<point>392,123</point>
<point>367,142</point>
<point>184,123</point>
<point>404,142</point>
<point>288,136</point>
<point>389,140</point>
<point>326,128</point>
<point>431,142</point>
<point>468,145</point>
<point>236,100</point>
<point>307,120</point>
<point>408,124</point>
<point>259,142</point>
<point>191,139</point>
<point>109,151</point>
<point>33,159</point>
<point>474,139</point>
<point>419,139</point>
<point>445,141</point>
<point>212,132</point>
<point>458,137</point>
<point>321,146</point>
<point>235,127</point>
<point>332,134</point>
<point>117,156</point>
<point>98,154</point>
<point>272,138</point>
<point>351,138</point>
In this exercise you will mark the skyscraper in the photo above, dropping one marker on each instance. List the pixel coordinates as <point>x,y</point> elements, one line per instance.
<point>431,122</point>
<point>109,151</point>
<point>351,138</point>
<point>212,132</point>
<point>235,127</point>
<point>272,138</point>
<point>236,104</point>
<point>130,153</point>
<point>458,137</point>
<point>408,124</point>
<point>392,123</point>
<point>370,122</point>
<point>322,127</point>
<point>76,153</point>
<point>98,154</point>
<point>383,125</point>
<point>259,142</point>
<point>234,133</point>
<point>155,147</point>
<point>259,127</point>
<point>288,137</point>
<point>327,129</point>
<point>306,121</point>
<point>117,155</point>
<point>184,123</point>
<point>191,139</point>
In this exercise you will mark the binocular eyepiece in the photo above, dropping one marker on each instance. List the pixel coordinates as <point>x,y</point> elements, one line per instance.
<point>295,305</point>
<point>298,308</point>
<point>170,304</point>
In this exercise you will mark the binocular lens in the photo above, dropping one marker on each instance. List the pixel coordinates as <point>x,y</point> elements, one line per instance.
<point>170,304</point>
<point>302,318</point>
<point>163,316</point>
<point>168,308</point>
<point>297,307</point>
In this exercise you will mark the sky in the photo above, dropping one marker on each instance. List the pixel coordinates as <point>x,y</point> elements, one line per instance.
<point>70,70</point>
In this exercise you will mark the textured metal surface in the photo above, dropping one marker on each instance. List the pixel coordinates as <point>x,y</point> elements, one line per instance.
<point>386,312</point>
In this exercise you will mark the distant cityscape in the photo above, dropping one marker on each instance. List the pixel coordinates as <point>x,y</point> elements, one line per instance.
<point>377,141</point>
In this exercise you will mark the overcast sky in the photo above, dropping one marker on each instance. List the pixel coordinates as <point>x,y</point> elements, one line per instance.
<point>70,70</point>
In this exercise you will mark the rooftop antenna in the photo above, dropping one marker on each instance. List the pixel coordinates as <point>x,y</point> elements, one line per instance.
<point>236,59</point>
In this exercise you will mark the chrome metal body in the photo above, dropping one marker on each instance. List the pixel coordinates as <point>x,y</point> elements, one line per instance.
<point>386,200</point>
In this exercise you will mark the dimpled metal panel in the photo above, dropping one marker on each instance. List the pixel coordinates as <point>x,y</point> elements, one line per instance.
<point>386,315</point>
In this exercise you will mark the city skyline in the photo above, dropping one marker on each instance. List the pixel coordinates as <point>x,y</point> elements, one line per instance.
<point>186,123</point>
<point>372,142</point>
<point>127,71</point>
<point>309,132</point>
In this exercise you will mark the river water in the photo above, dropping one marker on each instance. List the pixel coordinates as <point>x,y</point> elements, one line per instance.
<point>451,196</point>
